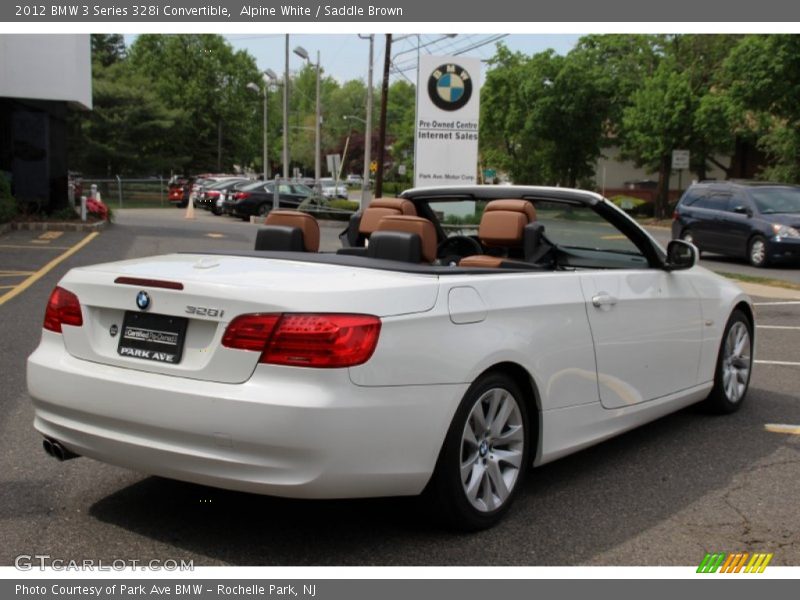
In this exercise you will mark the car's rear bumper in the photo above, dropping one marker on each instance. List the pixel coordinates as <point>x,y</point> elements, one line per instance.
<point>304,433</point>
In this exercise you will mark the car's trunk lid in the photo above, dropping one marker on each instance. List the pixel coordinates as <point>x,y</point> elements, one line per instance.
<point>216,289</point>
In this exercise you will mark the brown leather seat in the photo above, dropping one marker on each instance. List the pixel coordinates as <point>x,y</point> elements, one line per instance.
<point>417,226</point>
<point>384,207</point>
<point>277,231</point>
<point>502,226</point>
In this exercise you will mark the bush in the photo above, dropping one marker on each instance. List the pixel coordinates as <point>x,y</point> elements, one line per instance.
<point>8,205</point>
<point>65,214</point>
<point>640,208</point>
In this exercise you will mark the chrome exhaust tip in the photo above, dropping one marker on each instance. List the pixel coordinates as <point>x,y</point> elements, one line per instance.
<point>57,451</point>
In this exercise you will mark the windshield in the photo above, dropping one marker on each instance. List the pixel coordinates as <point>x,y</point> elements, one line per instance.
<point>770,201</point>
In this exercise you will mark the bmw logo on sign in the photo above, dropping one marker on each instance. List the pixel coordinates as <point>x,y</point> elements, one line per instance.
<point>450,87</point>
<point>143,300</point>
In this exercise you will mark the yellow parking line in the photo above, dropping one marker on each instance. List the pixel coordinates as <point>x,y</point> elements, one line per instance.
<point>781,428</point>
<point>15,273</point>
<point>46,269</point>
<point>7,287</point>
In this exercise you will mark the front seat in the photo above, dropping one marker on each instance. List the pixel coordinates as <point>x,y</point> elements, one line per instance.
<point>289,231</point>
<point>509,227</point>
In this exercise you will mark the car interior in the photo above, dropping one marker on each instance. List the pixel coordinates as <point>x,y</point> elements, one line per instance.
<point>510,235</point>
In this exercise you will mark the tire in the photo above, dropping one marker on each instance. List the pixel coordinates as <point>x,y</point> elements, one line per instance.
<point>688,236</point>
<point>483,494</point>
<point>757,252</point>
<point>734,366</point>
<point>263,210</point>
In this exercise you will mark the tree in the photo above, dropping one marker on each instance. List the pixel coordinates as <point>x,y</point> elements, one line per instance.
<point>201,76</point>
<point>128,132</point>
<point>762,77</point>
<point>107,48</point>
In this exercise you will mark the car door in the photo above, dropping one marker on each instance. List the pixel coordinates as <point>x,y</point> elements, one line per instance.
<point>647,331</point>
<point>736,225</point>
<point>645,322</point>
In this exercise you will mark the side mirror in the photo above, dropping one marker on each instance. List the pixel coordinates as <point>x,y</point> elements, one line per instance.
<point>742,210</point>
<point>680,255</point>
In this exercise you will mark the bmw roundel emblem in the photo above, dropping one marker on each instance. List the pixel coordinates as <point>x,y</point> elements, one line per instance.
<point>143,300</point>
<point>450,86</point>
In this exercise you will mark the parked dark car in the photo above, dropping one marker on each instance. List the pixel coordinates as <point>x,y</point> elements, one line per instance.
<point>211,192</point>
<point>257,198</point>
<point>752,220</point>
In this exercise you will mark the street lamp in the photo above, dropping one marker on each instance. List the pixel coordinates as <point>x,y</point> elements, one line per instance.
<point>303,53</point>
<point>268,76</point>
<point>367,159</point>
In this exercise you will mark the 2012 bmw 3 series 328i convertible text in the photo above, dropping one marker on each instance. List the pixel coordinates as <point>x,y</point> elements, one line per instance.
<point>460,336</point>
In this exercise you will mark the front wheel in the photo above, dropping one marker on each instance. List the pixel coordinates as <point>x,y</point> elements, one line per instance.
<point>757,252</point>
<point>734,366</point>
<point>688,236</point>
<point>484,459</point>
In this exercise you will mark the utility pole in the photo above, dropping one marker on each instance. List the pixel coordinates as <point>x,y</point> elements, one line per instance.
<point>387,61</point>
<point>286,115</point>
<point>366,186</point>
<point>317,141</point>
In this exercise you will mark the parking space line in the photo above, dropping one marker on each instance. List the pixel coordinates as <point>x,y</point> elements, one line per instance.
<point>33,278</point>
<point>15,273</point>
<point>777,362</point>
<point>790,327</point>
<point>7,287</point>
<point>782,428</point>
<point>23,247</point>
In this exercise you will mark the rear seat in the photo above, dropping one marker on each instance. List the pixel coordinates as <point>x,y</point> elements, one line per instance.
<point>289,231</point>
<point>404,238</point>
<point>363,225</point>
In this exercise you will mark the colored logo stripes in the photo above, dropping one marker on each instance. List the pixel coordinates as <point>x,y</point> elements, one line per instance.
<point>736,562</point>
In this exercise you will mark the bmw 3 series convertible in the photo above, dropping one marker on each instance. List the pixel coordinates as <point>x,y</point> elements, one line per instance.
<point>460,336</point>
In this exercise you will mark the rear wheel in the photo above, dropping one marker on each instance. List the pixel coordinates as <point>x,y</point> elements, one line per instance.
<point>263,210</point>
<point>688,236</point>
<point>734,366</point>
<point>757,252</point>
<point>484,459</point>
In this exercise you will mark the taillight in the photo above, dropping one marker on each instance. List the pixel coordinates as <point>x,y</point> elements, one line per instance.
<point>63,308</point>
<point>250,332</point>
<point>306,340</point>
<point>241,195</point>
<point>676,215</point>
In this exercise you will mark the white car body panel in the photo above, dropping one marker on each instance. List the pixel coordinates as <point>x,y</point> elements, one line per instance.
<point>221,418</point>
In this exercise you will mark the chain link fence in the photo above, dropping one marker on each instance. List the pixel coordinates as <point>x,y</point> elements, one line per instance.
<point>151,192</point>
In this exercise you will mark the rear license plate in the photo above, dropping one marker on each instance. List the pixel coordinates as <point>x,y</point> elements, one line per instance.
<point>152,337</point>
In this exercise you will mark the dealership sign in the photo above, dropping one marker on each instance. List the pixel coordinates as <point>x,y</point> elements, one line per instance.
<point>446,145</point>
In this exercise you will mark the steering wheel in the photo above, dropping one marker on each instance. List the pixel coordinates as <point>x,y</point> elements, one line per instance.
<point>453,249</point>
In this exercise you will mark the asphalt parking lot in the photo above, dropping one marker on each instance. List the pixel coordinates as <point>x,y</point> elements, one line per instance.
<point>664,494</point>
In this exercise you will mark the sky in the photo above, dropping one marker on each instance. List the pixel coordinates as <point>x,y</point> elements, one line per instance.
<point>345,56</point>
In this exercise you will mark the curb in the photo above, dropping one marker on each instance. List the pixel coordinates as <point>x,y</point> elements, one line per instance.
<point>40,226</point>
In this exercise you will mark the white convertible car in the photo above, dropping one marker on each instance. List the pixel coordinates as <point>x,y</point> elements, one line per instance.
<point>461,335</point>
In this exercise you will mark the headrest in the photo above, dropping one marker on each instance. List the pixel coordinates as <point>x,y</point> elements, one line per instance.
<point>503,222</point>
<point>384,207</point>
<point>303,221</point>
<point>422,227</point>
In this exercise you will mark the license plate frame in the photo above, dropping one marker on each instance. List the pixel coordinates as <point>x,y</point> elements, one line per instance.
<point>152,336</point>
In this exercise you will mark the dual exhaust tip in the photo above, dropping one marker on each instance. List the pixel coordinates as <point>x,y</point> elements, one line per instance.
<point>57,451</point>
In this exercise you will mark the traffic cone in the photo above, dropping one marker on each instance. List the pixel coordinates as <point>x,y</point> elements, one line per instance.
<point>189,209</point>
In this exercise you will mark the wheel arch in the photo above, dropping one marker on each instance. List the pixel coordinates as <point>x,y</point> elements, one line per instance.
<point>526,383</point>
<point>747,310</point>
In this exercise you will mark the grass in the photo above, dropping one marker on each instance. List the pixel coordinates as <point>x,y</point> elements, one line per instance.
<point>761,280</point>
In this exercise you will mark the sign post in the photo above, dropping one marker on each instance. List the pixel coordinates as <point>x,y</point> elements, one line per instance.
<point>448,106</point>
<point>680,161</point>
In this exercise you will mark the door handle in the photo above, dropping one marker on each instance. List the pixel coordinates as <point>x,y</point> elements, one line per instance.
<point>603,299</point>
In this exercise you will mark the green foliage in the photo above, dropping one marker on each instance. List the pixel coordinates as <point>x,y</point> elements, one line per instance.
<point>64,214</point>
<point>129,132</point>
<point>762,77</point>
<point>8,205</point>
